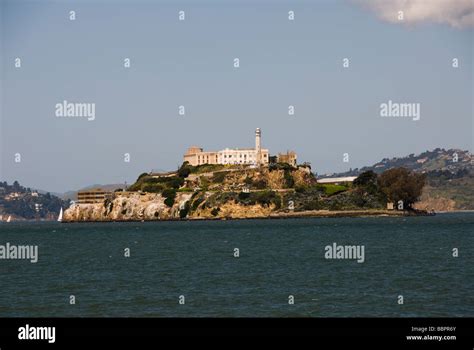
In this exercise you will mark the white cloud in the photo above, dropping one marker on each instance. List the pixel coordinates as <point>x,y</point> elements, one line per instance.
<point>456,13</point>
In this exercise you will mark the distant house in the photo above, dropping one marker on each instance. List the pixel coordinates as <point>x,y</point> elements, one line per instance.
<point>422,160</point>
<point>12,196</point>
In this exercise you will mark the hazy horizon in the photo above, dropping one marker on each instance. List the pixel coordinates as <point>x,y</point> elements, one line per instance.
<point>190,63</point>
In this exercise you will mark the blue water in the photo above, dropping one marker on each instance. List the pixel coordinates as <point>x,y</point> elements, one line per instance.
<point>403,256</point>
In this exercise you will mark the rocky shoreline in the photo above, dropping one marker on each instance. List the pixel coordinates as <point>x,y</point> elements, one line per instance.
<point>100,213</point>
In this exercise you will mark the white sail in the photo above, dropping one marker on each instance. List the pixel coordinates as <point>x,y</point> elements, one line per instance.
<point>9,218</point>
<point>60,217</point>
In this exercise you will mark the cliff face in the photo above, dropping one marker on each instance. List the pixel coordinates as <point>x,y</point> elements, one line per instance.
<point>436,204</point>
<point>254,179</point>
<point>148,207</point>
<point>447,194</point>
<point>233,210</point>
<point>128,206</point>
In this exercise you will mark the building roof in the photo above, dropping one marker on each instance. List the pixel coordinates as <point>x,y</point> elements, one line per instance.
<point>241,149</point>
<point>337,179</point>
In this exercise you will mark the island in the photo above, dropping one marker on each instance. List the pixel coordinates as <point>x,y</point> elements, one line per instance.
<point>246,184</point>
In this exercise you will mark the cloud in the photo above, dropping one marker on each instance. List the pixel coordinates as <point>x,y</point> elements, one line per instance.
<point>456,13</point>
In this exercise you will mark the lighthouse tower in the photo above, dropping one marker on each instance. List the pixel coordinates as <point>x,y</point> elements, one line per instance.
<point>258,146</point>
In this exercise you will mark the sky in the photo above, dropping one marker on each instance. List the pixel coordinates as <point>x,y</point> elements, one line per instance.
<point>191,63</point>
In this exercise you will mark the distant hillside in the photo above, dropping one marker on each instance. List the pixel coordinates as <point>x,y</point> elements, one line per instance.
<point>22,203</point>
<point>450,177</point>
<point>437,160</point>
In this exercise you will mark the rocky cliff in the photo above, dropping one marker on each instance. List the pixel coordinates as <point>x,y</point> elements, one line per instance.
<point>128,206</point>
<point>150,207</point>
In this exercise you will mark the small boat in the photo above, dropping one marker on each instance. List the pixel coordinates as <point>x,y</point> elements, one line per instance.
<point>9,218</point>
<point>60,217</point>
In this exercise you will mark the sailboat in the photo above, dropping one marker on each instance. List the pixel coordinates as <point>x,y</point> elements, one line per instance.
<point>60,217</point>
<point>9,218</point>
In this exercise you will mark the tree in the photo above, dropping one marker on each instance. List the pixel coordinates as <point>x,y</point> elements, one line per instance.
<point>367,181</point>
<point>142,175</point>
<point>16,186</point>
<point>184,170</point>
<point>175,182</point>
<point>170,195</point>
<point>366,178</point>
<point>401,184</point>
